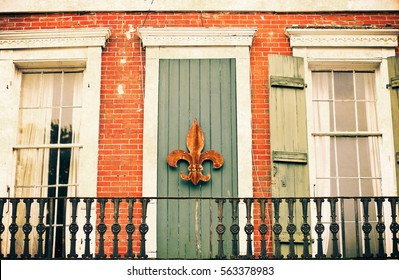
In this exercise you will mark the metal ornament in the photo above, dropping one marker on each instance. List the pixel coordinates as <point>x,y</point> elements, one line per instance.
<point>195,144</point>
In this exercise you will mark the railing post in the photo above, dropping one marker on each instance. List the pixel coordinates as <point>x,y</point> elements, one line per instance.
<point>380,227</point>
<point>262,228</point>
<point>13,227</point>
<point>277,229</point>
<point>116,228</point>
<point>220,228</point>
<point>319,228</point>
<point>305,228</point>
<point>87,228</point>
<point>101,228</point>
<point>291,228</point>
<point>235,228</point>
<point>73,228</point>
<point>366,228</point>
<point>143,228</point>
<point>27,227</point>
<point>394,227</point>
<point>334,227</point>
<point>130,228</point>
<point>343,240</point>
<point>249,228</point>
<point>41,228</point>
<point>2,227</point>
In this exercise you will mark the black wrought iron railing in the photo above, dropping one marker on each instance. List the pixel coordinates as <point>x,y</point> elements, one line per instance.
<point>237,228</point>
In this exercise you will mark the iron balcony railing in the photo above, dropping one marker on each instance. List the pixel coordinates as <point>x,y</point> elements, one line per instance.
<point>237,228</point>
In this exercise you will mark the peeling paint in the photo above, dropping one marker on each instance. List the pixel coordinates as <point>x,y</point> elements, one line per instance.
<point>129,34</point>
<point>120,90</point>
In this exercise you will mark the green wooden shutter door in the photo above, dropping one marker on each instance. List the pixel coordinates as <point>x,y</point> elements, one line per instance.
<point>288,134</point>
<point>203,89</point>
<point>393,70</point>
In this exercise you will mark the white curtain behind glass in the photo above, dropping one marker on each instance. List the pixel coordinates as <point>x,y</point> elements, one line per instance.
<point>344,103</point>
<point>42,103</point>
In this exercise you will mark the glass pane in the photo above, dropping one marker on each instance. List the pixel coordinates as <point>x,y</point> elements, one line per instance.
<point>34,126</point>
<point>365,86</point>
<point>64,164</point>
<point>349,187</point>
<point>323,117</point>
<point>66,126</point>
<point>369,160</point>
<point>347,157</point>
<point>72,89</point>
<point>30,90</point>
<point>52,86</point>
<point>325,157</point>
<point>29,169</point>
<point>351,239</point>
<point>367,119</point>
<point>345,115</point>
<point>343,86</point>
<point>370,187</point>
<point>322,85</point>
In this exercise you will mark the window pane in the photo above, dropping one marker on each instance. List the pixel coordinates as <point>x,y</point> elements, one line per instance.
<point>34,126</point>
<point>347,157</point>
<point>369,159</point>
<point>325,157</point>
<point>365,86</point>
<point>349,187</point>
<point>322,85</point>
<point>52,87</point>
<point>343,86</point>
<point>323,116</point>
<point>72,89</point>
<point>345,116</point>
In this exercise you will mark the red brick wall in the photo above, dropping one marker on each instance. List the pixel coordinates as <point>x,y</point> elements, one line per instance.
<point>121,114</point>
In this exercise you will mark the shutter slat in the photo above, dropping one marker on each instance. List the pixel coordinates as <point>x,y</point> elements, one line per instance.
<point>289,157</point>
<point>395,82</point>
<point>289,82</point>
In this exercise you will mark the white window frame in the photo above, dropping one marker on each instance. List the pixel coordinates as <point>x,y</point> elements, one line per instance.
<point>196,43</point>
<point>351,49</point>
<point>57,49</point>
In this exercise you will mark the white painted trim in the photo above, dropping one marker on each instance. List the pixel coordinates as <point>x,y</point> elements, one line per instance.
<point>11,6</point>
<point>342,37</point>
<point>182,36</point>
<point>357,56</point>
<point>54,38</point>
<point>150,138</point>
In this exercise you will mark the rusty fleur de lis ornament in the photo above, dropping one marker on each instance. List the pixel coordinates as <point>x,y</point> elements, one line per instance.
<point>195,144</point>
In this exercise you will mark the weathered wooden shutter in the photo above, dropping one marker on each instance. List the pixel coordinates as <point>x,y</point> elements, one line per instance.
<point>393,70</point>
<point>288,135</point>
<point>204,89</point>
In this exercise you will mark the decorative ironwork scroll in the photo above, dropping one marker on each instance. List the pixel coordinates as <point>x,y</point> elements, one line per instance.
<point>195,144</point>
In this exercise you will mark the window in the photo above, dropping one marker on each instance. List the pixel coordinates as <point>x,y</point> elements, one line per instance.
<point>349,121</point>
<point>346,133</point>
<point>50,119</point>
